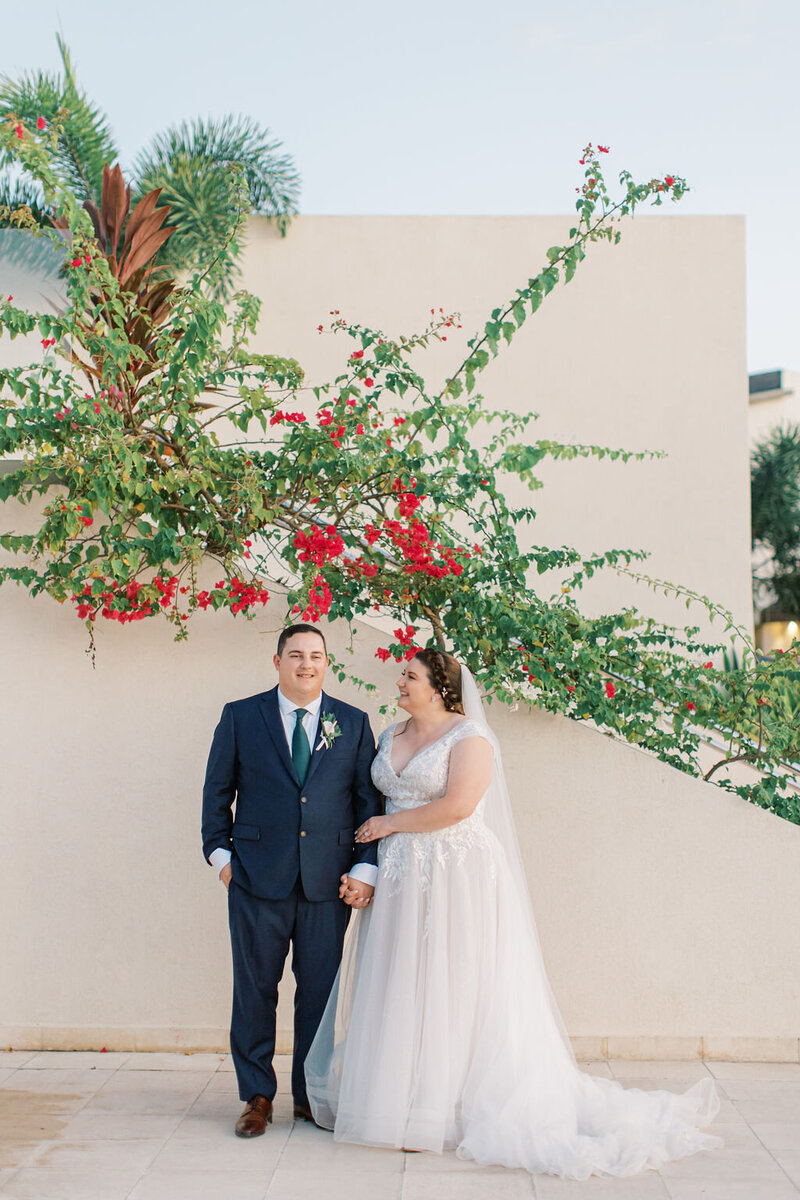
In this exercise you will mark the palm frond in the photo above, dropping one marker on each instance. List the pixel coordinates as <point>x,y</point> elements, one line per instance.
<point>206,151</point>
<point>86,143</point>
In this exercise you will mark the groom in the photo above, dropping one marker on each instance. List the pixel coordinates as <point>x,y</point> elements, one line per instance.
<point>297,763</point>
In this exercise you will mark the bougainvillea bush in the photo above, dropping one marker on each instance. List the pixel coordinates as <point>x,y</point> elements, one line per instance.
<point>181,471</point>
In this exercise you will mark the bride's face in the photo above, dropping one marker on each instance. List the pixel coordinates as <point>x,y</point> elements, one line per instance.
<point>414,687</point>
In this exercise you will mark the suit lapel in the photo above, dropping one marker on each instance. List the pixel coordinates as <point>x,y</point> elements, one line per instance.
<point>318,750</point>
<point>274,723</point>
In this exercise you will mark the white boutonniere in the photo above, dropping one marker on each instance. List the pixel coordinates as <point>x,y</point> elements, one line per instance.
<point>329,730</point>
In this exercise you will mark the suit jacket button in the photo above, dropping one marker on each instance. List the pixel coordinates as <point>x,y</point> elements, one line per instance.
<point>302,833</point>
<point>304,800</point>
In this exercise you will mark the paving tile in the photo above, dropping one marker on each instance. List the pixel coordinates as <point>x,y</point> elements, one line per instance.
<point>368,1185</point>
<point>227,1063</point>
<point>428,1163</point>
<point>730,1189</point>
<point>624,1068</point>
<point>191,1083</point>
<point>770,1111</point>
<point>227,1153</point>
<point>113,1127</point>
<point>511,1185</point>
<point>733,1163</point>
<point>159,1061</point>
<point>223,1081</point>
<point>772,1072</point>
<point>146,1101</point>
<point>75,1060</point>
<point>16,1058</point>
<point>7,1073</point>
<point>206,1185</point>
<point>762,1089</point>
<point>311,1148</point>
<point>46,1183</point>
<point>734,1136</point>
<point>601,1068</point>
<point>100,1156</point>
<point>662,1083</point>
<point>789,1161</point>
<point>55,1082</point>
<point>779,1136</point>
<point>647,1186</point>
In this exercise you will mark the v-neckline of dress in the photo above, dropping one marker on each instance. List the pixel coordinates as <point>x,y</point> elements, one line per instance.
<point>427,746</point>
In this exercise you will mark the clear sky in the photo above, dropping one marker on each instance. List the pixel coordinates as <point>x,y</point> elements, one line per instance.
<point>419,107</point>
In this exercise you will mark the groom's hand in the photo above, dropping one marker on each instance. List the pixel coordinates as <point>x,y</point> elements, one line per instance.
<point>226,874</point>
<point>355,893</point>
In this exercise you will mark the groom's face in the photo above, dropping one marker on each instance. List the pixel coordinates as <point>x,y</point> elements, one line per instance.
<point>301,667</point>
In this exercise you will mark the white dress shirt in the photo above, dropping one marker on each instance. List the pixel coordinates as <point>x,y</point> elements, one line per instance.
<point>219,858</point>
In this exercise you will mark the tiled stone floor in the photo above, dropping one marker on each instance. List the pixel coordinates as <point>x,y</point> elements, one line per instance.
<point>90,1126</point>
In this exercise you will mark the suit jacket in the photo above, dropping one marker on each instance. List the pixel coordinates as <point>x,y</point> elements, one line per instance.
<point>281,830</point>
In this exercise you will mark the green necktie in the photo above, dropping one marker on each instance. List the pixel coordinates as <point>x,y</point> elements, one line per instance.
<point>301,751</point>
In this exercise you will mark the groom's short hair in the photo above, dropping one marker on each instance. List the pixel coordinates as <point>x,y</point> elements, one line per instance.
<point>291,630</point>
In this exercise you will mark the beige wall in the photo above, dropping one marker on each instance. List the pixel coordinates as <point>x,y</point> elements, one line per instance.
<point>644,349</point>
<point>662,902</point>
<point>770,409</point>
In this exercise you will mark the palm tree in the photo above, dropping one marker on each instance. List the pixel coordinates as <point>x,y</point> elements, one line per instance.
<point>206,169</point>
<point>775,506</point>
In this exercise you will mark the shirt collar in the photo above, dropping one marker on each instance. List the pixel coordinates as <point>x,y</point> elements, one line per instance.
<point>288,706</point>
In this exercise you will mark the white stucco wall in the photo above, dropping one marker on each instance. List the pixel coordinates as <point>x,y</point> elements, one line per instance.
<point>662,902</point>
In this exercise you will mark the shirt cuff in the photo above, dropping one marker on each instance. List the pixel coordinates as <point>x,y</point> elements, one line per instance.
<point>363,872</point>
<point>219,858</point>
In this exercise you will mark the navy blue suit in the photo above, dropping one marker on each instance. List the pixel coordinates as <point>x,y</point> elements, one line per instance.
<point>290,845</point>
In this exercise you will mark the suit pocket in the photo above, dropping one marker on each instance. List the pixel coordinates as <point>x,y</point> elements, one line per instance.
<point>346,837</point>
<point>250,833</point>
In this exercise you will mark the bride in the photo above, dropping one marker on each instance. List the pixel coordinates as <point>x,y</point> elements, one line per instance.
<point>441,1031</point>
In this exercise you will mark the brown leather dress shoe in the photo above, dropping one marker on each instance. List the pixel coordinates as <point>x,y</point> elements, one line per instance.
<point>256,1116</point>
<point>303,1113</point>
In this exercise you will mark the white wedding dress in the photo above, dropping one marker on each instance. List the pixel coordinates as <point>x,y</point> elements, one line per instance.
<point>441,1031</point>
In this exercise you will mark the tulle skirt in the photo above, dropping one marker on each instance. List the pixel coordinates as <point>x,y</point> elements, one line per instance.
<point>441,1032</point>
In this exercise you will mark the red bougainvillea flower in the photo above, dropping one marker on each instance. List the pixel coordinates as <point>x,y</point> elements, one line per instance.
<point>669,180</point>
<point>317,545</point>
<point>406,637</point>
<point>369,381</point>
<point>691,705</point>
<point>41,123</point>
<point>319,329</point>
<point>611,691</point>
<point>359,429</point>
<point>383,654</point>
<point>604,149</point>
<point>357,354</point>
<point>400,421</point>
<point>409,503</point>
<point>18,130</point>
<point>570,687</point>
<point>76,262</point>
<point>47,342</point>
<point>87,259</point>
<point>709,666</point>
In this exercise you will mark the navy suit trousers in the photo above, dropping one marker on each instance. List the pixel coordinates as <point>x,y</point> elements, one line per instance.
<point>261,933</point>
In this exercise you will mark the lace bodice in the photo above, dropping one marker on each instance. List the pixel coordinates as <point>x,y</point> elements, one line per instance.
<point>423,779</point>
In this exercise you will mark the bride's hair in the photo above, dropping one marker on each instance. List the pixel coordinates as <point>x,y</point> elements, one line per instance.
<point>444,673</point>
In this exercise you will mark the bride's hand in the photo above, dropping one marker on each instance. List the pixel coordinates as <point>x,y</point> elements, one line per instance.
<point>373,829</point>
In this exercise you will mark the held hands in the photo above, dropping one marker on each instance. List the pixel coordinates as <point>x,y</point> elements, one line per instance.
<point>374,828</point>
<point>355,893</point>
